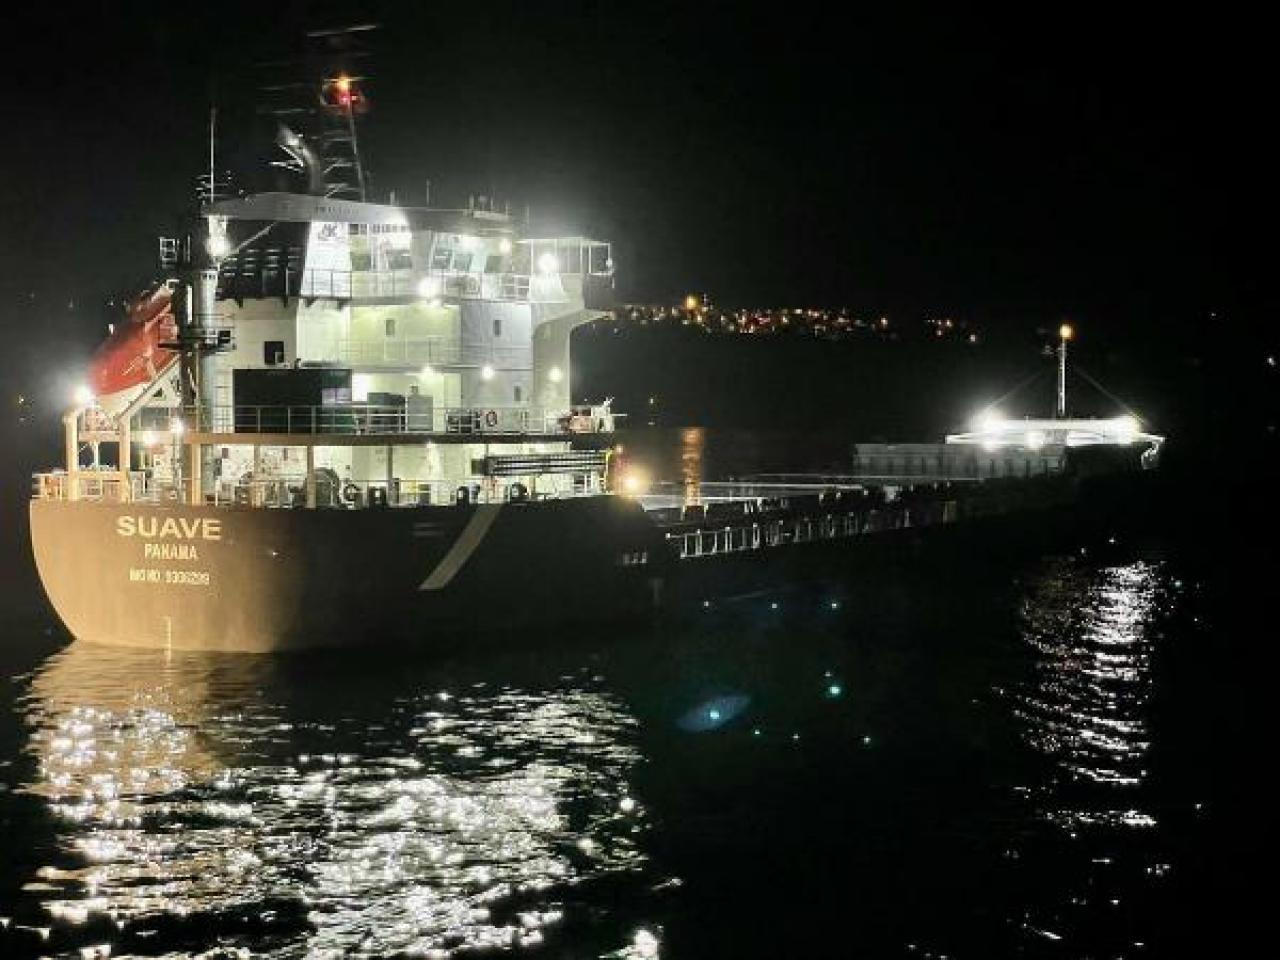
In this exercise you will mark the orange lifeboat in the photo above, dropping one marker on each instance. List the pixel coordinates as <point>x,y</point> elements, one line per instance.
<point>136,351</point>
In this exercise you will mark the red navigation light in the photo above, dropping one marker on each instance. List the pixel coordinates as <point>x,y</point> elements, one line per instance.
<point>341,94</point>
<point>343,86</point>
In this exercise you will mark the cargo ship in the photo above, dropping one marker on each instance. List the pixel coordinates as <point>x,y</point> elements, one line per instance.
<point>335,422</point>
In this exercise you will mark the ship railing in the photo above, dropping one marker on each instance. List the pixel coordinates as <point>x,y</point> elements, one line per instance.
<point>367,419</point>
<point>887,468</point>
<point>111,486</point>
<point>337,284</point>
<point>426,351</point>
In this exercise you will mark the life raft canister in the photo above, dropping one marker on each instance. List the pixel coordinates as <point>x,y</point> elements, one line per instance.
<point>491,418</point>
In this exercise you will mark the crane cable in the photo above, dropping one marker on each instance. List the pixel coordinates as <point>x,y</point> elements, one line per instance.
<point>1009,393</point>
<point>1104,391</point>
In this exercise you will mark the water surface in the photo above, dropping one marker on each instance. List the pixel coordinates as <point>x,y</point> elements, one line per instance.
<point>1005,758</point>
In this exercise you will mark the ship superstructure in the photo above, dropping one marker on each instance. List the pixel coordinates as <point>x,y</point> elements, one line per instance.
<point>329,349</point>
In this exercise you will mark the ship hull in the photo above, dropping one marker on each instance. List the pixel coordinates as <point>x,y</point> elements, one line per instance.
<point>214,578</point>
<point>220,578</point>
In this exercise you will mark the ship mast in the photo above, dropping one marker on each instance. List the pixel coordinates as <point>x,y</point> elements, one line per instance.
<point>1065,333</point>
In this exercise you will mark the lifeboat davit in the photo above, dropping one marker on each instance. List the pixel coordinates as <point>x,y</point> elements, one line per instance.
<point>135,353</point>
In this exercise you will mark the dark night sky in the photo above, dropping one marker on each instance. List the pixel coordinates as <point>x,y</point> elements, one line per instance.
<point>1111,168</point>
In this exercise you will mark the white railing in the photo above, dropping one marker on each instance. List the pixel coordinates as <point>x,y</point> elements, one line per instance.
<point>434,351</point>
<point>109,486</point>
<point>363,419</point>
<point>394,284</point>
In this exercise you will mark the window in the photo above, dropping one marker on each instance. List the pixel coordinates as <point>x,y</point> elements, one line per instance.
<point>461,262</point>
<point>497,326</point>
<point>334,395</point>
<point>519,393</point>
<point>390,324</point>
<point>272,352</point>
<point>441,258</point>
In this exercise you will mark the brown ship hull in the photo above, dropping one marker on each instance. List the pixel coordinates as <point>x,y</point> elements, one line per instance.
<point>218,578</point>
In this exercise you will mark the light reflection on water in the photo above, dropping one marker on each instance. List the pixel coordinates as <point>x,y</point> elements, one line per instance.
<point>1087,707</point>
<point>818,765</point>
<point>440,819</point>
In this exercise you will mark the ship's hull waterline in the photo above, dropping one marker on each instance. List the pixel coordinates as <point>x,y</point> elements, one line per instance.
<point>213,578</point>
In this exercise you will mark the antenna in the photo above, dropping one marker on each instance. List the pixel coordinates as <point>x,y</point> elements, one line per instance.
<point>207,183</point>
<point>213,129</point>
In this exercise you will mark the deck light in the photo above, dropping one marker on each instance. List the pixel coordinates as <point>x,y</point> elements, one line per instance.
<point>547,263</point>
<point>486,372</point>
<point>427,371</point>
<point>218,245</point>
<point>1126,426</point>
<point>988,420</point>
<point>83,396</point>
<point>635,481</point>
<point>555,375</point>
<point>429,288</point>
<point>504,245</point>
<point>644,945</point>
<point>1066,332</point>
